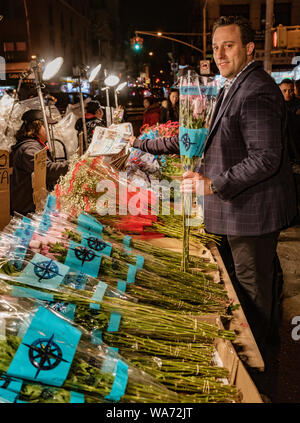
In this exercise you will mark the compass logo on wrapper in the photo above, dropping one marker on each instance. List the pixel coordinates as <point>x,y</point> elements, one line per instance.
<point>96,244</point>
<point>46,270</point>
<point>84,254</point>
<point>186,141</point>
<point>44,354</point>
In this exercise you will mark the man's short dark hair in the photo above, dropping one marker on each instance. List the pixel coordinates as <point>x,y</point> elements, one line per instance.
<point>247,33</point>
<point>287,81</point>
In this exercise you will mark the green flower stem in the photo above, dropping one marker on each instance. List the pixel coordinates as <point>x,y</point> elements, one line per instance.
<point>151,264</point>
<point>85,376</point>
<point>144,347</point>
<point>169,290</point>
<point>156,252</point>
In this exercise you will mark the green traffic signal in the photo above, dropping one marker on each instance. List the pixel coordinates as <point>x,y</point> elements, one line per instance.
<point>136,43</point>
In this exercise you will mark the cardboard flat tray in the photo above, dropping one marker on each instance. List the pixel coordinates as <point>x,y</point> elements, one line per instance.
<point>248,349</point>
<point>238,374</point>
<point>5,172</point>
<point>245,339</point>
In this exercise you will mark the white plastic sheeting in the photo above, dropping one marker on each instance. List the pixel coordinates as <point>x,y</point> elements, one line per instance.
<point>64,130</point>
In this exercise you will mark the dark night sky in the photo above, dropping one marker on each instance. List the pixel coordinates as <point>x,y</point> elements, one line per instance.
<point>152,15</point>
<point>155,15</point>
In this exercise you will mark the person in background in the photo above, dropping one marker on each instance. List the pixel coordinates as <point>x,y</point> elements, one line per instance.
<point>152,112</point>
<point>297,89</point>
<point>157,146</point>
<point>93,117</point>
<point>164,103</point>
<point>287,88</point>
<point>31,138</point>
<point>171,112</point>
<point>293,109</point>
<point>291,93</point>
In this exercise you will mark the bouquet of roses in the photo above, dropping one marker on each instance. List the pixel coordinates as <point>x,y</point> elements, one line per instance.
<point>192,376</point>
<point>197,99</point>
<point>42,346</point>
<point>148,287</point>
<point>14,390</point>
<point>85,222</point>
<point>95,187</point>
<point>120,324</point>
<point>90,224</point>
<point>63,230</point>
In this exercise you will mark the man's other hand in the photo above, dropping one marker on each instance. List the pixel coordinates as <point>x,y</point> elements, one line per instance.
<point>196,183</point>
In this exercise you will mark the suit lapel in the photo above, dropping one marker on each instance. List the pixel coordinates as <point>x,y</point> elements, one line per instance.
<point>217,107</point>
<point>224,105</point>
<point>221,107</point>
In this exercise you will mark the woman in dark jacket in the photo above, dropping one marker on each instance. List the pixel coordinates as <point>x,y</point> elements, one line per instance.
<point>163,145</point>
<point>31,138</point>
<point>152,112</point>
<point>171,112</point>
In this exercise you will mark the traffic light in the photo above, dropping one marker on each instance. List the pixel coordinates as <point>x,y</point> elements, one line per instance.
<point>280,39</point>
<point>137,43</point>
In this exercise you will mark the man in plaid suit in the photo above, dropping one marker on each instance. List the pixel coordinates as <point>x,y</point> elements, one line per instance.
<point>248,185</point>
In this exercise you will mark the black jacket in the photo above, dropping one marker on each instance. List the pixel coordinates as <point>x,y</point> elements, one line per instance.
<point>246,158</point>
<point>91,123</point>
<point>23,165</point>
<point>169,113</point>
<point>293,129</point>
<point>158,146</point>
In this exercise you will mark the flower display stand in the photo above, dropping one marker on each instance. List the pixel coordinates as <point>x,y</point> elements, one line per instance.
<point>248,349</point>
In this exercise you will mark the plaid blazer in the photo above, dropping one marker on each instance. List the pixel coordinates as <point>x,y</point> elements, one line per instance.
<point>246,158</point>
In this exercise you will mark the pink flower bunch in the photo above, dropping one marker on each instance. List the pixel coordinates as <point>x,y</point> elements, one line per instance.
<point>42,244</point>
<point>199,106</point>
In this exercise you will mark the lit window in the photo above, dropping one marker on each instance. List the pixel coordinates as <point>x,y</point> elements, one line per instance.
<point>9,46</point>
<point>21,46</point>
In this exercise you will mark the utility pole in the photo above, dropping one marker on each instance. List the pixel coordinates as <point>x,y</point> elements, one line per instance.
<point>28,29</point>
<point>268,35</point>
<point>204,30</point>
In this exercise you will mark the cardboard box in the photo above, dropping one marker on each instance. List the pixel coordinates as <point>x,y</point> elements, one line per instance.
<point>238,374</point>
<point>5,172</point>
<point>39,179</point>
<point>230,359</point>
<point>249,351</point>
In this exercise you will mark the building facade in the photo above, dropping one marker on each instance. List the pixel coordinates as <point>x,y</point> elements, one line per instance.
<point>82,32</point>
<point>286,12</point>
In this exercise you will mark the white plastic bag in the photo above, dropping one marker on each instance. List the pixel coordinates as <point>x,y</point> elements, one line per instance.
<point>8,126</point>
<point>65,131</point>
